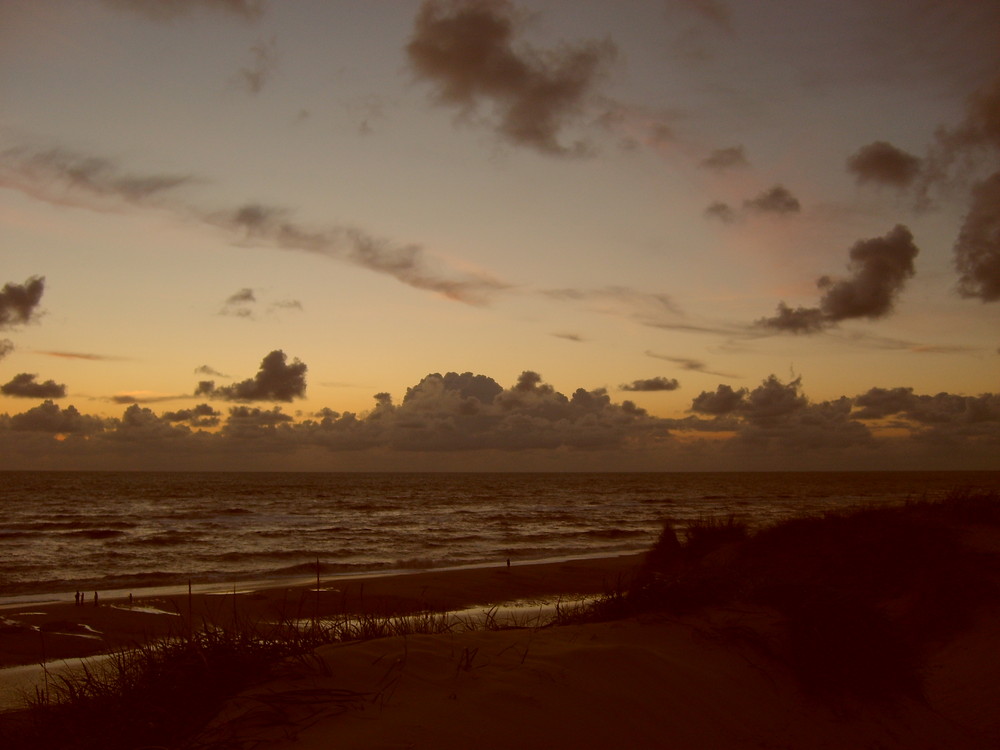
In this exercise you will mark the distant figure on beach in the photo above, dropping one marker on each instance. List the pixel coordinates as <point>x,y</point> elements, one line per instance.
<point>95,599</point>
<point>130,601</point>
<point>76,598</point>
<point>508,562</point>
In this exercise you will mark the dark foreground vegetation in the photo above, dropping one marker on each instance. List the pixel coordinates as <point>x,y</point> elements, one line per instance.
<point>861,596</point>
<point>856,601</point>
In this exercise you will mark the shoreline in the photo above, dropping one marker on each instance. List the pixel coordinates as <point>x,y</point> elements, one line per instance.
<point>43,628</point>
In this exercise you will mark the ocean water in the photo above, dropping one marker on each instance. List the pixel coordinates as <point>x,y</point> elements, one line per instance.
<point>60,531</point>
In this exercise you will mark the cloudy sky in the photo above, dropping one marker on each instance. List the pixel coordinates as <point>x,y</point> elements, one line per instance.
<point>540,235</point>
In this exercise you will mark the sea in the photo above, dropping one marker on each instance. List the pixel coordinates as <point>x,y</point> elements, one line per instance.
<point>66,531</point>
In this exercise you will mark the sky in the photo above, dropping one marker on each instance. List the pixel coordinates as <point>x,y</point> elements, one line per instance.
<point>641,235</point>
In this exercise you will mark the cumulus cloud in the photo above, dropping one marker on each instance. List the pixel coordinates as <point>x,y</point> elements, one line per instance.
<point>201,415</point>
<point>474,419</point>
<point>726,158</point>
<point>879,269</point>
<point>275,381</point>
<point>469,51</point>
<point>24,385</point>
<point>166,10</point>
<point>882,163</point>
<point>977,249</point>
<point>651,384</point>
<point>776,200</point>
<point>48,417</point>
<point>19,302</point>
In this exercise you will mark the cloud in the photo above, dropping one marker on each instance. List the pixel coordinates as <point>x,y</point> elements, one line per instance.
<point>210,371</point>
<point>648,308</point>
<point>19,302</point>
<point>47,417</point>
<point>62,177</point>
<point>457,420</point>
<point>240,304</point>
<point>23,385</point>
<point>884,164</point>
<point>65,177</point>
<point>6,347</point>
<point>721,159</point>
<point>723,212</point>
<point>977,249</point>
<point>201,415</point>
<point>82,355</point>
<point>880,268</point>
<point>144,397</point>
<point>724,400</point>
<point>651,384</point>
<point>167,10</point>
<point>776,200</point>
<point>275,381</point>
<point>406,263</point>
<point>265,62</point>
<point>468,51</point>
<point>693,365</point>
<point>570,337</point>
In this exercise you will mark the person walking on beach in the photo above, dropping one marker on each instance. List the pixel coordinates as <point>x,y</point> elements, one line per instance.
<point>95,599</point>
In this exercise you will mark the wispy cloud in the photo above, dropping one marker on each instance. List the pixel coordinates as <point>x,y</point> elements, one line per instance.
<point>82,355</point>
<point>693,365</point>
<point>63,177</point>
<point>167,10</point>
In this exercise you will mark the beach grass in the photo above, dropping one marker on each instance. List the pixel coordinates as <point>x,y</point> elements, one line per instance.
<point>862,594</point>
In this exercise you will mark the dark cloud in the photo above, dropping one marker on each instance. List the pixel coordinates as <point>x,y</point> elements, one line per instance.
<point>884,164</point>
<point>977,249</point>
<point>797,320</point>
<point>880,268</point>
<point>210,371</point>
<point>275,381</point>
<point>776,200</point>
<point>726,158</point>
<point>651,384</point>
<point>6,347</point>
<point>19,302</point>
<point>468,51</point>
<point>723,400</point>
<point>23,385</point>
<point>265,62</point>
<point>201,415</point>
<point>166,10</point>
<point>723,212</point>
<point>48,417</point>
<point>61,176</point>
<point>773,427</point>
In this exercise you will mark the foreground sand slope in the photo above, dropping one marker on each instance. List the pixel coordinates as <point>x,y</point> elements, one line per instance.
<point>650,683</point>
